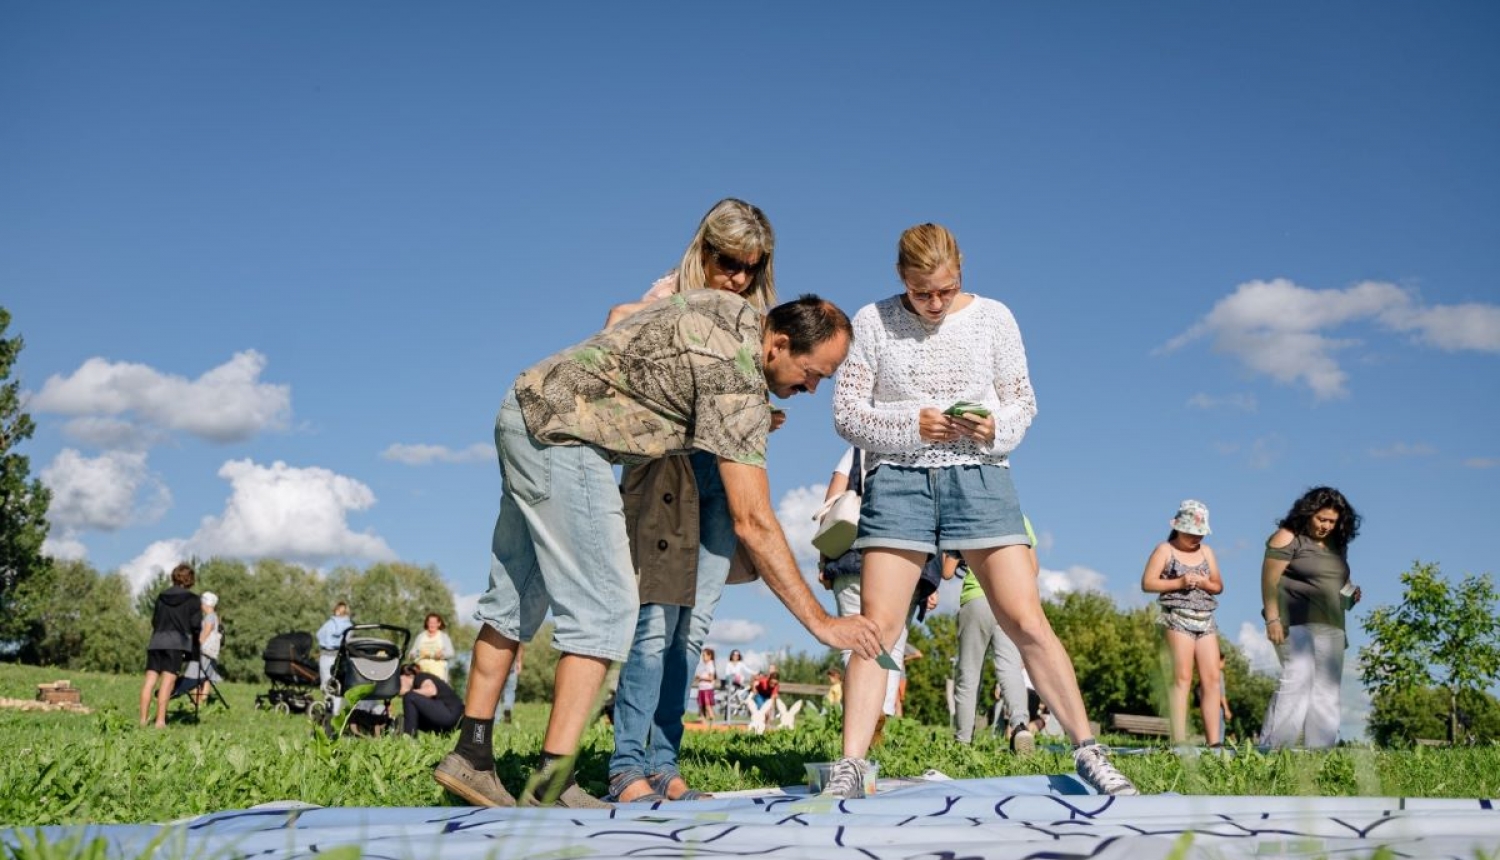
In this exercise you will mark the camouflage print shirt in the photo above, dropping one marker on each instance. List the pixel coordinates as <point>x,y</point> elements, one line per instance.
<point>684,373</point>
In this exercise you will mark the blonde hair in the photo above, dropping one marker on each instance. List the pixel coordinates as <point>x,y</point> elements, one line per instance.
<point>734,227</point>
<point>925,247</point>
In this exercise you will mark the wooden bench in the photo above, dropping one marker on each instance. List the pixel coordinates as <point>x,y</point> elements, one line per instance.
<point>1135,724</point>
<point>817,691</point>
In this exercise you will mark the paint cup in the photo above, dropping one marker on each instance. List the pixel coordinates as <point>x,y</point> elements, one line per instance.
<point>1347,593</point>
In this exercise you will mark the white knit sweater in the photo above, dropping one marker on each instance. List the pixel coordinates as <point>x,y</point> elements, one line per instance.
<point>900,363</point>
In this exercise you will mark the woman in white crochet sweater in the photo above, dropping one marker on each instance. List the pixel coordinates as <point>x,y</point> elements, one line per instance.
<point>936,392</point>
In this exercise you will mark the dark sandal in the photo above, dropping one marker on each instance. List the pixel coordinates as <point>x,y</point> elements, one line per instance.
<point>661,782</point>
<point>619,782</point>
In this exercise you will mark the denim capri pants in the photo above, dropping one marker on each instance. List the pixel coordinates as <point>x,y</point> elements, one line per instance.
<point>947,507</point>
<point>560,544</point>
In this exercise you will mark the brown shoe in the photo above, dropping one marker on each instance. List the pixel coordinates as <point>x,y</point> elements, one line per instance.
<point>478,787</point>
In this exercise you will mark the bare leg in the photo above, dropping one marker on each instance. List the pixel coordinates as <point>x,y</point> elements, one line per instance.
<point>574,691</point>
<point>163,696</point>
<point>1182,647</point>
<point>493,656</point>
<point>1009,583</point>
<point>887,605</point>
<point>1207,652</point>
<point>146,690</point>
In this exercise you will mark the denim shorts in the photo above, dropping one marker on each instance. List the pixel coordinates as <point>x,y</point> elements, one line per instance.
<point>949,508</point>
<point>560,544</point>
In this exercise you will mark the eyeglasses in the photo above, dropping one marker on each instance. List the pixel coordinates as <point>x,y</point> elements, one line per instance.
<point>733,266</point>
<point>942,295</point>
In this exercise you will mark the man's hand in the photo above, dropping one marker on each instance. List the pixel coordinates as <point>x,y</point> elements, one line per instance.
<point>855,633</point>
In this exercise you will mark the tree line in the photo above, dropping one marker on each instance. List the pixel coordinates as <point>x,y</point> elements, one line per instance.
<point>1430,666</point>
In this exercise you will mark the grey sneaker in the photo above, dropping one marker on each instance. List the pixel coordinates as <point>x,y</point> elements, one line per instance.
<point>1093,765</point>
<point>572,797</point>
<point>846,779</point>
<point>479,787</point>
<point>1022,741</point>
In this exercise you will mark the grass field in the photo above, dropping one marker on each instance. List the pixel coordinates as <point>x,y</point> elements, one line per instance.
<point>62,768</point>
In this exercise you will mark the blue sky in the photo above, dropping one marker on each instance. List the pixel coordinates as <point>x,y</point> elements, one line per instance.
<point>275,264</point>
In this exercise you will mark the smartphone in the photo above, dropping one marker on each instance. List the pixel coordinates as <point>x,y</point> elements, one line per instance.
<point>966,407</point>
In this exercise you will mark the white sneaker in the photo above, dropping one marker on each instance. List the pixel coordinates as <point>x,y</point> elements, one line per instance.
<point>846,779</point>
<point>1093,765</point>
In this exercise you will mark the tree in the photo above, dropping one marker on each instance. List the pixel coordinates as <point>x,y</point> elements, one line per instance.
<point>1440,635</point>
<point>74,618</point>
<point>23,500</point>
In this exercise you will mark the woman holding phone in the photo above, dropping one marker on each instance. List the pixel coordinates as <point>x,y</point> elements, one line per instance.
<point>937,394</point>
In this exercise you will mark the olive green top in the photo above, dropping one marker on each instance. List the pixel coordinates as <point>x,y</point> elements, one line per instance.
<point>1309,588</point>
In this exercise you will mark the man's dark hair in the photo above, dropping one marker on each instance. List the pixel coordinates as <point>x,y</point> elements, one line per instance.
<point>808,322</point>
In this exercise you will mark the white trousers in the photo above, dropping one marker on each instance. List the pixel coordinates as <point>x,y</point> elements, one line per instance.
<point>1306,702</point>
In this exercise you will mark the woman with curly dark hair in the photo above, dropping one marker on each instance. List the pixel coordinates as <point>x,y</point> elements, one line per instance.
<point>1305,591</point>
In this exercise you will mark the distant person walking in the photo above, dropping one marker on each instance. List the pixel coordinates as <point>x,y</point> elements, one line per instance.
<point>1184,574</point>
<point>1305,592</point>
<point>175,621</point>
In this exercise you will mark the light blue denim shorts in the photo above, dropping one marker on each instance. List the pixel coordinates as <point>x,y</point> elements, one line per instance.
<point>560,544</point>
<point>949,508</point>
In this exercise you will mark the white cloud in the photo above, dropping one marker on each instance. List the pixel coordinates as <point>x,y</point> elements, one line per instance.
<point>1237,402</point>
<point>103,493</point>
<point>1402,450</point>
<point>1265,451</point>
<point>111,433</point>
<point>1053,583</point>
<point>227,404</point>
<point>464,606</point>
<point>1279,329</point>
<point>1258,649</point>
<point>422,455</point>
<point>275,511</point>
<point>734,631</point>
<point>795,511</point>
<point>157,559</point>
<point>64,546</point>
<point>1450,327</point>
<point>1482,462</point>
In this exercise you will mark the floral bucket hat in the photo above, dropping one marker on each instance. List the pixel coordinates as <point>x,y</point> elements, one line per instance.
<point>1192,518</point>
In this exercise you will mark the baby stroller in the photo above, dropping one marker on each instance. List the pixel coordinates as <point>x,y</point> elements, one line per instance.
<point>294,676</point>
<point>366,660</point>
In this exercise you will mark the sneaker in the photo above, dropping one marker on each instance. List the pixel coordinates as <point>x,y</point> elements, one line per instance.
<point>1093,765</point>
<point>544,782</point>
<point>572,797</point>
<point>478,787</point>
<point>846,779</point>
<point>1022,742</point>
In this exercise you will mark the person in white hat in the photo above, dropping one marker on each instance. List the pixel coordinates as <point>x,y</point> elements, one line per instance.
<point>210,642</point>
<point>1184,574</point>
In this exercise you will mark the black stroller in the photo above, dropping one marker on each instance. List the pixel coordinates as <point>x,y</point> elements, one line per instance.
<point>293,671</point>
<point>369,661</point>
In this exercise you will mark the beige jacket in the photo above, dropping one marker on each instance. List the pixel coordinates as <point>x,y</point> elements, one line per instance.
<point>661,518</point>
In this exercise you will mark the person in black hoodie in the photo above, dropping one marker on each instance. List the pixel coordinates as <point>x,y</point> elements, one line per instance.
<point>174,629</point>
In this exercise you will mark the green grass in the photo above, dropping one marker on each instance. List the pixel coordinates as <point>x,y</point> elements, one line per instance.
<point>62,768</point>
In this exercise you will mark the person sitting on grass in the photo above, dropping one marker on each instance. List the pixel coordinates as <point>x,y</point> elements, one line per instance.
<point>428,704</point>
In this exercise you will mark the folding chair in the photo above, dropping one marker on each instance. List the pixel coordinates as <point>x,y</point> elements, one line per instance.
<point>199,670</point>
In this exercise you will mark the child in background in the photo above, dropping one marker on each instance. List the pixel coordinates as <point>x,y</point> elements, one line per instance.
<point>1184,574</point>
<point>706,679</point>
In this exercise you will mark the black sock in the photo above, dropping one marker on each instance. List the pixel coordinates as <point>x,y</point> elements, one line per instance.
<point>475,742</point>
<point>1086,742</point>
